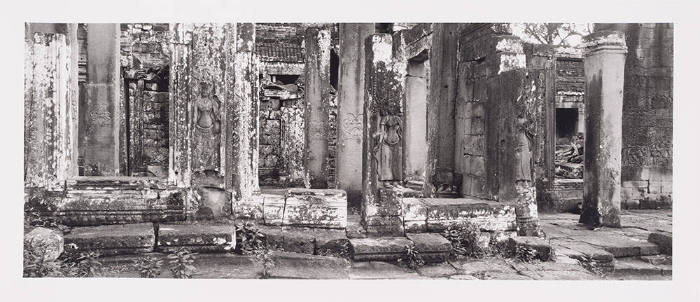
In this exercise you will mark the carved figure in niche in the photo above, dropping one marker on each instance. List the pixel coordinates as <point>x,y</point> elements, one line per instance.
<point>386,148</point>
<point>523,152</point>
<point>207,129</point>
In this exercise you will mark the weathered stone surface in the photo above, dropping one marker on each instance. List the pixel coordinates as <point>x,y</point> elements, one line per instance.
<point>379,249</point>
<point>215,201</point>
<point>315,207</point>
<point>317,93</point>
<point>663,240</point>
<point>199,237</point>
<point>383,226</point>
<point>436,270</point>
<point>273,209</point>
<point>44,242</point>
<point>631,266</point>
<point>354,228</point>
<point>415,215</point>
<point>372,270</point>
<point>545,252</point>
<point>432,247</point>
<point>657,259</point>
<point>604,65</point>
<point>559,275</point>
<point>488,215</point>
<point>476,266</point>
<point>249,208</point>
<point>298,266</point>
<point>111,239</point>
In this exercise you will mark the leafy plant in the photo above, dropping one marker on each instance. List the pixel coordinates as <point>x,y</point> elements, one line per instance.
<point>36,264</point>
<point>149,266</point>
<point>86,264</point>
<point>182,262</point>
<point>251,239</point>
<point>525,254</point>
<point>465,240</point>
<point>264,256</point>
<point>411,257</point>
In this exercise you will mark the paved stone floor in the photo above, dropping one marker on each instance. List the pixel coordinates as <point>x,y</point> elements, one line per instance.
<point>625,251</point>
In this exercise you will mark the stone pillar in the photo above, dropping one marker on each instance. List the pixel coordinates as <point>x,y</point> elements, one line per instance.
<point>317,95</point>
<point>351,98</point>
<point>245,109</point>
<point>441,108</point>
<point>47,141</point>
<point>382,138</point>
<point>604,65</point>
<point>102,154</point>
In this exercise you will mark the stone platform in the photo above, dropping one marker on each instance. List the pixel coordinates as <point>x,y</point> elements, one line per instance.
<point>437,214</point>
<point>111,239</point>
<point>318,208</point>
<point>432,247</point>
<point>197,237</point>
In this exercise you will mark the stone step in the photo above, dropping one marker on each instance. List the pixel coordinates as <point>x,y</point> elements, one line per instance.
<point>304,240</point>
<point>432,248</point>
<point>437,214</point>
<point>544,250</point>
<point>629,266</point>
<point>664,240</point>
<point>200,237</point>
<point>110,240</point>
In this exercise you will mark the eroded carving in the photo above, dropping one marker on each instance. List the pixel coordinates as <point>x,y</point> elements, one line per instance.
<point>206,130</point>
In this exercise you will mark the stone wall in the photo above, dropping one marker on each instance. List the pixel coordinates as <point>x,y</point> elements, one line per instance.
<point>145,57</point>
<point>647,118</point>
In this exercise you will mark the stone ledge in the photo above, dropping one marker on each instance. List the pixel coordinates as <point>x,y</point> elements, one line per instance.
<point>379,249</point>
<point>200,237</point>
<point>111,239</point>
<point>545,252</point>
<point>440,213</point>
<point>432,247</point>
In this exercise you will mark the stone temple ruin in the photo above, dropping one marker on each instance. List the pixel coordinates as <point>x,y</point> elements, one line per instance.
<point>386,133</point>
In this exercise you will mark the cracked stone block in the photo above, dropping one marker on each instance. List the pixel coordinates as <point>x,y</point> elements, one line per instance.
<point>545,252</point>
<point>432,247</point>
<point>383,226</point>
<point>273,209</point>
<point>487,215</point>
<point>249,208</point>
<point>111,239</point>
<point>379,249</point>
<point>300,266</point>
<point>315,207</point>
<point>199,237</point>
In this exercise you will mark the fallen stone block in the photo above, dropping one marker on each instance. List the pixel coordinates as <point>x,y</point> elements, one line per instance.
<point>432,247</point>
<point>379,249</point>
<point>110,240</point>
<point>201,237</point>
<point>44,242</point>
<point>663,240</point>
<point>545,252</point>
<point>315,207</point>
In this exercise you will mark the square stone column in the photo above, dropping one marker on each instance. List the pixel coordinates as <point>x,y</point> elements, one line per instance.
<point>351,99</point>
<point>245,109</point>
<point>382,163</point>
<point>317,94</point>
<point>604,65</point>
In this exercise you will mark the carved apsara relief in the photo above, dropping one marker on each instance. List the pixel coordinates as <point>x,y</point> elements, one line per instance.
<point>207,129</point>
<point>387,144</point>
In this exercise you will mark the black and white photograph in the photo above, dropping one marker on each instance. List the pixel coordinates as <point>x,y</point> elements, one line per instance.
<point>394,149</point>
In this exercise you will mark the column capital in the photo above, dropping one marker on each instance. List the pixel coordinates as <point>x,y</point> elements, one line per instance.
<point>604,40</point>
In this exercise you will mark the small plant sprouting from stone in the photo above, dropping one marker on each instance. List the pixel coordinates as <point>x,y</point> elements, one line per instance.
<point>149,266</point>
<point>264,256</point>
<point>252,239</point>
<point>411,257</point>
<point>36,264</point>
<point>525,254</point>
<point>182,263</point>
<point>465,240</point>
